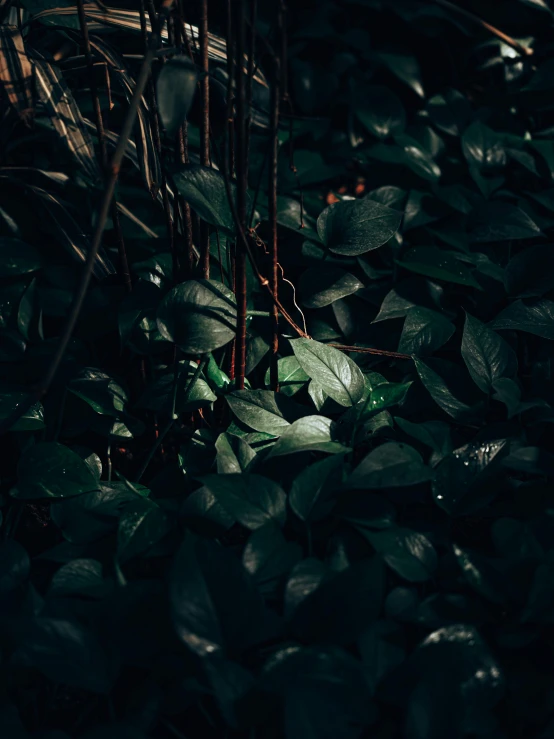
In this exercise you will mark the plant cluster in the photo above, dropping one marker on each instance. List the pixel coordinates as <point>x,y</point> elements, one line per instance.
<point>276,324</point>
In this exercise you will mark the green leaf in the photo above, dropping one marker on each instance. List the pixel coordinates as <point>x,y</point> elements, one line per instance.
<point>269,557</point>
<point>17,257</point>
<point>264,410</point>
<point>380,111</point>
<point>334,372</point>
<point>158,395</point>
<point>31,420</point>
<point>141,525</point>
<point>441,392</point>
<point>405,67</point>
<point>321,286</point>
<point>204,189</point>
<point>507,391</point>
<point>233,454</point>
<point>483,148</point>
<point>499,221</point>
<point>433,434</point>
<point>424,331</point>
<point>467,479</point>
<point>487,356</point>
<point>291,376</point>
<point>100,391</point>
<point>51,470</point>
<point>215,605</point>
<point>175,88</point>
<point>199,316</point>
<point>312,433</point>
<point>438,264</point>
<point>449,111</point>
<point>79,577</point>
<point>409,553</point>
<point>354,227</point>
<point>311,493</point>
<point>418,159</point>
<point>535,317</point>
<point>252,499</point>
<point>390,465</point>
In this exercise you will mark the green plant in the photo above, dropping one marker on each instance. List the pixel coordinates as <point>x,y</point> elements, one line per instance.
<point>275,388</point>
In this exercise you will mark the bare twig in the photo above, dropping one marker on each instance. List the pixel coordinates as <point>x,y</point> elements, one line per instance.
<point>242,187</point>
<point>491,29</point>
<point>272,203</point>
<point>104,211</point>
<point>204,129</point>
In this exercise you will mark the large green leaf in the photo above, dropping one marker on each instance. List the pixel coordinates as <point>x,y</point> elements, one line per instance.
<point>264,410</point>
<point>380,111</point>
<point>321,286</point>
<point>291,376</point>
<point>312,433</point>
<point>199,316</point>
<point>334,372</point>
<point>441,392</point>
<point>252,499</point>
<point>407,552</point>
<point>31,420</point>
<point>436,263</point>
<point>175,90</point>
<point>353,227</point>
<point>449,111</point>
<point>52,470</point>
<point>390,465</point>
<point>204,189</point>
<point>311,493</point>
<point>100,391</point>
<point>499,221</point>
<point>487,356</point>
<point>424,331</point>
<point>535,318</point>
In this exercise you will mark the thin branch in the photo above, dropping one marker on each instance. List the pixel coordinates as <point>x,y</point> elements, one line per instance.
<point>204,129</point>
<point>272,204</point>
<point>242,187</point>
<point>368,350</point>
<point>86,274</point>
<point>491,29</point>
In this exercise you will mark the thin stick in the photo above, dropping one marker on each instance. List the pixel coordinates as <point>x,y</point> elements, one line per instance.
<point>272,205</point>
<point>492,29</point>
<point>98,119</point>
<point>204,130</point>
<point>242,186</point>
<point>368,350</point>
<point>86,274</point>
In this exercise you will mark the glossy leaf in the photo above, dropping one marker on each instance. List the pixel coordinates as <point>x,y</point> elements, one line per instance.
<point>535,317</point>
<point>252,499</point>
<point>487,356</point>
<point>312,433</point>
<point>353,227</point>
<point>390,465</point>
<point>52,470</point>
<point>198,315</point>
<point>175,90</point>
<point>321,286</point>
<point>264,410</point>
<point>334,372</point>
<point>204,189</point>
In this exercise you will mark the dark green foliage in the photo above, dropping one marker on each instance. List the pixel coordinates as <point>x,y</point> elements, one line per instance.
<point>359,541</point>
